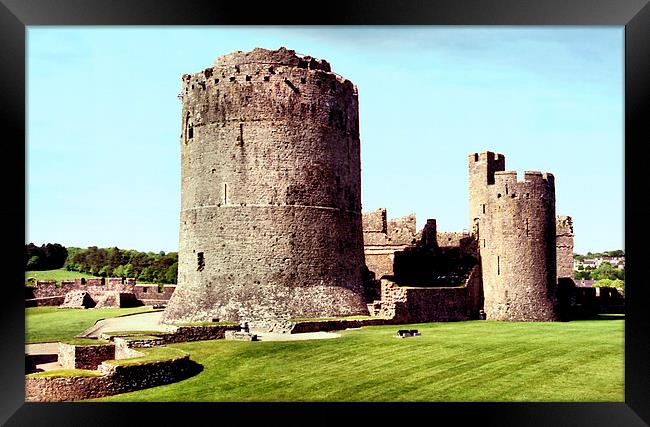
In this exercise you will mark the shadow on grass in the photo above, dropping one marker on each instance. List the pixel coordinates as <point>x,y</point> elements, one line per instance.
<point>608,316</point>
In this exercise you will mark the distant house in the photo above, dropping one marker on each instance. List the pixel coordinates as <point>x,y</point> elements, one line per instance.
<point>584,283</point>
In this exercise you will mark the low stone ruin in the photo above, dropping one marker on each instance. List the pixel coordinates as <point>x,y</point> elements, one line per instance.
<point>77,299</point>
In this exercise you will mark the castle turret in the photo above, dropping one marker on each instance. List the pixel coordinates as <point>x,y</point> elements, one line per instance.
<point>517,247</point>
<point>270,223</point>
<point>482,167</point>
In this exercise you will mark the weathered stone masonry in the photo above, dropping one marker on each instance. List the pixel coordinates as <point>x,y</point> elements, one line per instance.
<point>271,199</point>
<point>516,239</point>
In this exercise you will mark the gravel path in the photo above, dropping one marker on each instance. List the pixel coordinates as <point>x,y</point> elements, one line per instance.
<point>135,322</point>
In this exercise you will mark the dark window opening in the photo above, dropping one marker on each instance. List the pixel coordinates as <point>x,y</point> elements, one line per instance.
<point>200,260</point>
<point>232,79</point>
<point>189,130</point>
<point>483,208</point>
<point>267,78</point>
<point>303,80</point>
<point>483,242</point>
<point>506,188</point>
<point>476,157</point>
<point>225,193</point>
<point>526,226</point>
<point>216,81</point>
<point>498,265</point>
<point>271,70</point>
<point>144,290</point>
<point>160,289</point>
<point>499,196</point>
<point>248,78</point>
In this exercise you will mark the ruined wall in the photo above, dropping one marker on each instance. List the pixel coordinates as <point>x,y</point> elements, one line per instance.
<point>414,305</point>
<point>73,356</point>
<point>383,237</point>
<point>517,247</point>
<point>270,191</point>
<point>117,292</point>
<point>115,380</point>
<point>564,246</point>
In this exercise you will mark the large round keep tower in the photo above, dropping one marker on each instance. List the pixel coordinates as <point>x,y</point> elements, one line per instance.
<point>270,224</point>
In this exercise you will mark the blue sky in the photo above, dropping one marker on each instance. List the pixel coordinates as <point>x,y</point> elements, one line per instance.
<point>103,121</point>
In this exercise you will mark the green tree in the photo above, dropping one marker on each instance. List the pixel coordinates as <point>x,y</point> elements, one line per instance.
<point>34,263</point>
<point>105,271</point>
<point>172,273</point>
<point>119,271</point>
<point>129,271</point>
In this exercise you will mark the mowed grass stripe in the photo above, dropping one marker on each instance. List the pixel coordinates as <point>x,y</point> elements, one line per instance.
<point>463,361</point>
<point>50,324</point>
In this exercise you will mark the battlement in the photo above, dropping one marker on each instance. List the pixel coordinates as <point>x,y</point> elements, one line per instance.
<point>510,177</point>
<point>281,56</point>
<point>375,221</point>
<point>486,156</point>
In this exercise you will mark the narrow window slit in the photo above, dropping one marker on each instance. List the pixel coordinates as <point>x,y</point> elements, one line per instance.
<point>200,261</point>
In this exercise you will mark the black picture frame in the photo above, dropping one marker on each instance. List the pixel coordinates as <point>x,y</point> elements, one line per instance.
<point>15,15</point>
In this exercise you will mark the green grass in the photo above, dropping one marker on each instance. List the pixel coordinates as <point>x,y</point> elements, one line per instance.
<point>456,361</point>
<point>66,373</point>
<point>208,324</point>
<point>325,319</point>
<point>152,354</point>
<point>140,337</point>
<point>84,341</point>
<point>58,275</point>
<point>128,334</point>
<point>48,324</point>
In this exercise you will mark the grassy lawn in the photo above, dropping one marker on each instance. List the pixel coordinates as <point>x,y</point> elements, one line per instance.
<point>58,275</point>
<point>458,361</point>
<point>48,324</point>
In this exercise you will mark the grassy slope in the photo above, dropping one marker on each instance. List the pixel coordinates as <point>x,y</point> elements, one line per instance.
<point>463,361</point>
<point>47,324</point>
<point>58,275</point>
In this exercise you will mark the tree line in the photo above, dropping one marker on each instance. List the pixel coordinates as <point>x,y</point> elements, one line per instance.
<point>589,255</point>
<point>46,257</point>
<point>150,267</point>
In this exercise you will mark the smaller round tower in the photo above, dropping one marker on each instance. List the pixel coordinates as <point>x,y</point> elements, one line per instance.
<point>517,245</point>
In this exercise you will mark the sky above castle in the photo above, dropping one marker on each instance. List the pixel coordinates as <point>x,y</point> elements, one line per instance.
<point>103,121</point>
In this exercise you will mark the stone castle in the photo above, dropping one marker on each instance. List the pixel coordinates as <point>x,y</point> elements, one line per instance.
<point>271,191</point>
<point>271,224</point>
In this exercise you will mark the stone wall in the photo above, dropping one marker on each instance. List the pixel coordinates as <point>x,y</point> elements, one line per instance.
<point>114,380</point>
<point>72,356</point>
<point>117,292</point>
<point>151,293</point>
<point>564,246</point>
<point>416,304</point>
<point>185,334</point>
<point>46,301</point>
<point>270,196</point>
<point>60,389</point>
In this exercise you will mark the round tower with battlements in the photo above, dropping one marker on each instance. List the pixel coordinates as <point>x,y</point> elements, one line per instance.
<point>517,241</point>
<point>270,224</point>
